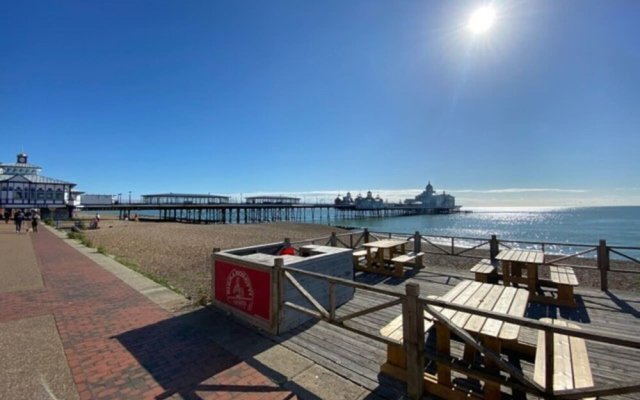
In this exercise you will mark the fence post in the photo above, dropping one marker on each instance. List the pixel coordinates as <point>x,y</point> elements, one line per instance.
<point>278,263</point>
<point>417,243</point>
<point>334,239</point>
<point>413,338</point>
<point>366,235</point>
<point>494,248</point>
<point>603,265</point>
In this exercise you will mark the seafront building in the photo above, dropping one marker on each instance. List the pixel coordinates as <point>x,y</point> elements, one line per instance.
<point>23,188</point>
<point>430,200</point>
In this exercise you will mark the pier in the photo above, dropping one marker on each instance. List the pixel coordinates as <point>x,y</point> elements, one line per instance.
<point>243,213</point>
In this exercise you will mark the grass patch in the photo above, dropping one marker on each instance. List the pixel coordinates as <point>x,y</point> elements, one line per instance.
<point>102,250</point>
<point>49,221</point>
<point>75,235</point>
<point>80,236</point>
<point>135,267</point>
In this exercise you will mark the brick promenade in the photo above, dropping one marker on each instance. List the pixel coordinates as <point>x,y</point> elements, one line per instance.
<point>118,344</point>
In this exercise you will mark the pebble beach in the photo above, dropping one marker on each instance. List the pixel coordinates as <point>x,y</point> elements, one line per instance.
<point>179,255</point>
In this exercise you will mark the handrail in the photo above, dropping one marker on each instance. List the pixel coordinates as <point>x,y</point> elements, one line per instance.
<point>346,282</point>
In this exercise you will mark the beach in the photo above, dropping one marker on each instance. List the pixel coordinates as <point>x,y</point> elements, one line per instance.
<point>179,255</point>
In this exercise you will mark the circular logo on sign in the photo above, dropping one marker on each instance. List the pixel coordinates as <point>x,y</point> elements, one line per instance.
<point>239,290</point>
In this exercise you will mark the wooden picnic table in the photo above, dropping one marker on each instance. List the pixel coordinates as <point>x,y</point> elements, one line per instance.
<point>389,246</point>
<point>514,261</point>
<point>492,333</point>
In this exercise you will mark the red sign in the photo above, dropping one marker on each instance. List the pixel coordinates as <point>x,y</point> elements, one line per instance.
<point>245,289</point>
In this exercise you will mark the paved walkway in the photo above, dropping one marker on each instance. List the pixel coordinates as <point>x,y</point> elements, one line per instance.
<point>117,343</point>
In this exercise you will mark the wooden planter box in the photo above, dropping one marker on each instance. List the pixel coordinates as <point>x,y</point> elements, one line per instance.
<point>244,283</point>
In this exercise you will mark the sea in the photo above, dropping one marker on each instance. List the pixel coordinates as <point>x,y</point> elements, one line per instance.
<point>619,226</point>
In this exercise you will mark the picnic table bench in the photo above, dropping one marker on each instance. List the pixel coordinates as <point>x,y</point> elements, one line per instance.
<point>565,279</point>
<point>571,362</point>
<point>376,259</point>
<point>483,296</point>
<point>485,271</point>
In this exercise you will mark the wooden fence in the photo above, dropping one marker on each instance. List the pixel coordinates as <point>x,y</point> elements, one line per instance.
<point>490,247</point>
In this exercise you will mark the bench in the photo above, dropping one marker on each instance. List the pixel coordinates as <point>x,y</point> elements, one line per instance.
<point>571,361</point>
<point>485,272</point>
<point>358,255</point>
<point>565,279</point>
<point>396,364</point>
<point>411,259</point>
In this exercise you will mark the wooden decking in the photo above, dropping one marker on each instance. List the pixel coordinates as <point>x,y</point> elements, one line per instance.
<point>359,358</point>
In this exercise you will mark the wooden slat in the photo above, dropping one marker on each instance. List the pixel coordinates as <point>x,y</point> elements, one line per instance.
<point>460,319</point>
<point>461,297</point>
<point>492,327</point>
<point>581,369</point>
<point>476,322</point>
<point>518,307</point>
<point>391,329</point>
<point>563,374</point>
<point>403,258</point>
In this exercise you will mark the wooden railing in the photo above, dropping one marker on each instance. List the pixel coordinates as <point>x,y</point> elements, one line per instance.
<point>287,274</point>
<point>414,335</point>
<point>492,246</point>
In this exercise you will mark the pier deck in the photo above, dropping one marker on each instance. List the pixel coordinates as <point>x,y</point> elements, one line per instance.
<point>359,358</point>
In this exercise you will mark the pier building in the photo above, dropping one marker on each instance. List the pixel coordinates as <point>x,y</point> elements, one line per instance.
<point>22,187</point>
<point>369,202</point>
<point>430,200</point>
<point>272,200</point>
<point>183,198</point>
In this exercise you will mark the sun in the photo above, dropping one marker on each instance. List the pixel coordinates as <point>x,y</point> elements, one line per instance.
<point>482,20</point>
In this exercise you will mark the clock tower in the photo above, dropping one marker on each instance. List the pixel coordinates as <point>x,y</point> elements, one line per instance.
<point>22,158</point>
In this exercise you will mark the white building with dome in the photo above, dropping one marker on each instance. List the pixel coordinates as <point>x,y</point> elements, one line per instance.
<point>429,199</point>
<point>22,187</point>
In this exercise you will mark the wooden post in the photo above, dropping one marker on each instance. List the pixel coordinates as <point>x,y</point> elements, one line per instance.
<point>603,265</point>
<point>494,248</point>
<point>413,338</point>
<point>366,235</point>
<point>278,263</point>
<point>417,243</point>
<point>334,239</point>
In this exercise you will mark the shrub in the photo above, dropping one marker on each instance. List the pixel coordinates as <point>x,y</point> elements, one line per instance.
<point>102,250</point>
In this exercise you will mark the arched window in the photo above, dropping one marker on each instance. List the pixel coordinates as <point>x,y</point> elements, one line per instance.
<point>18,194</point>
<point>59,194</point>
<point>49,194</point>
<point>40,194</point>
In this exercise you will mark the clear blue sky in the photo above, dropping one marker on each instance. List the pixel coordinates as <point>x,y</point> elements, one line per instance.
<point>300,96</point>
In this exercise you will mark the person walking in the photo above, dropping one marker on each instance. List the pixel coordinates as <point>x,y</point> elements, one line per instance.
<point>35,219</point>
<point>18,218</point>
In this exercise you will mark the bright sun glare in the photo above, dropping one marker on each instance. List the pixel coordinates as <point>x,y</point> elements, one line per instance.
<point>482,20</point>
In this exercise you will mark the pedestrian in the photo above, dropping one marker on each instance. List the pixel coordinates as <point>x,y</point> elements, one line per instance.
<point>35,219</point>
<point>7,215</point>
<point>18,218</point>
